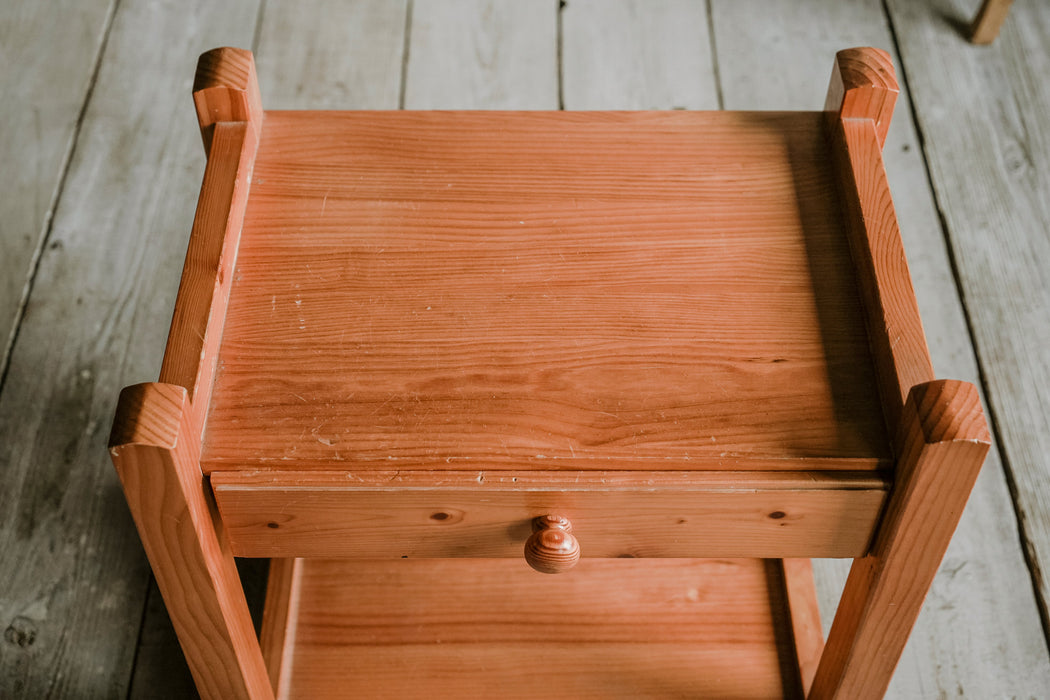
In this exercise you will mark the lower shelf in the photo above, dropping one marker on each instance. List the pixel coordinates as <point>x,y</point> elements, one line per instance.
<point>610,628</point>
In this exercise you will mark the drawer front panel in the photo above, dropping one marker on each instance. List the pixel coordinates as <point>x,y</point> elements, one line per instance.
<point>613,514</point>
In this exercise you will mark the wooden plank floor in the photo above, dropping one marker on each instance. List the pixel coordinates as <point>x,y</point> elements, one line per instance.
<point>96,215</point>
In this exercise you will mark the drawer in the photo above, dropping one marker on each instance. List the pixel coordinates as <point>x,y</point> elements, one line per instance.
<point>488,514</point>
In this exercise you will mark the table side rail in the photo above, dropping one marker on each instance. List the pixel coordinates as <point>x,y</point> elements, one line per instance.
<point>898,341</point>
<point>204,291</point>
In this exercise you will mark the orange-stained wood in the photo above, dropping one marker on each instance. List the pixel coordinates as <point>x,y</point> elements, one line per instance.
<point>552,548</point>
<point>450,290</point>
<point>945,440</point>
<point>861,96</point>
<point>200,308</point>
<point>280,613</point>
<point>682,332</point>
<point>226,89</point>
<point>379,515</point>
<point>496,629</point>
<point>864,86</point>
<point>897,340</point>
<point>155,448</point>
<point>801,594</point>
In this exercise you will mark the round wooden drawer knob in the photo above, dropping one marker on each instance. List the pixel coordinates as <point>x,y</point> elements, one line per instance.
<point>552,549</point>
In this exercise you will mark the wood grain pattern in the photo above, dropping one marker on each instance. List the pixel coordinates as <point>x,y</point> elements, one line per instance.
<point>926,63</point>
<point>944,442</point>
<point>864,86</point>
<point>200,308</point>
<point>552,548</point>
<point>311,54</point>
<point>988,20</point>
<point>997,646</point>
<point>226,89</point>
<point>898,342</point>
<point>621,56</point>
<point>483,629</point>
<point>226,96</point>
<point>229,112</point>
<point>155,449</point>
<point>860,99</point>
<point>280,617</point>
<point>544,290</point>
<point>472,514</point>
<point>801,595</point>
<point>902,642</point>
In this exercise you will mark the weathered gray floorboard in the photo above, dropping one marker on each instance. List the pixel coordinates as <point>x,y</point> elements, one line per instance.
<point>48,51</point>
<point>331,54</point>
<point>483,54</point>
<point>74,577</point>
<point>161,672</point>
<point>983,112</point>
<point>630,54</point>
<point>315,54</point>
<point>970,638</point>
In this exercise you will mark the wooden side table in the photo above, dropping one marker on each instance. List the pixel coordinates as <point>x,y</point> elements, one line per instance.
<point>414,353</point>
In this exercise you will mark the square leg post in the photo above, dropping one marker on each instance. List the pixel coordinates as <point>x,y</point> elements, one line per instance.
<point>945,440</point>
<point>156,438</point>
<point>156,452</point>
<point>940,438</point>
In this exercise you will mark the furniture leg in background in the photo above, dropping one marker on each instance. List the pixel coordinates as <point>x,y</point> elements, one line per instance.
<point>989,20</point>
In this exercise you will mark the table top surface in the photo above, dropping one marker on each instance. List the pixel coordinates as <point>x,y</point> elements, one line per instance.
<point>544,290</point>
